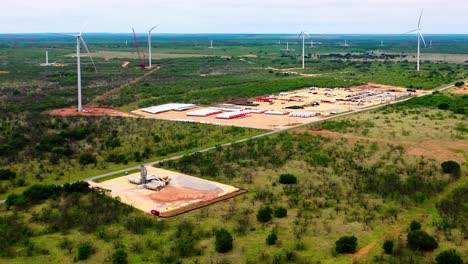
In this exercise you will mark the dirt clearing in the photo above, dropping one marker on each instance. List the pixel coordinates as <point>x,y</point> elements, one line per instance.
<point>4,72</point>
<point>286,109</point>
<point>89,111</point>
<point>463,90</point>
<point>183,194</point>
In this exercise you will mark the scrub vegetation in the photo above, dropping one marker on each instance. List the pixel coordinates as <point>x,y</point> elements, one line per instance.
<point>383,186</point>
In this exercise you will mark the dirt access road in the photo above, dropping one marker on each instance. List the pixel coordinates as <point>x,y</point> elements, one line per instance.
<point>123,86</point>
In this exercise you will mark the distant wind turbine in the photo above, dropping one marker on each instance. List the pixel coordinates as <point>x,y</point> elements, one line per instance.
<point>149,45</point>
<point>420,37</point>
<point>79,41</point>
<point>303,34</point>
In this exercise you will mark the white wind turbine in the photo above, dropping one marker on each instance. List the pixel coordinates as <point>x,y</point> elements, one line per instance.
<point>79,40</point>
<point>303,34</point>
<point>149,44</point>
<point>420,37</point>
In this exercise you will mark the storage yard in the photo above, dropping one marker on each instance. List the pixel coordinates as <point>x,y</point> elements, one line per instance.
<point>167,193</point>
<point>281,110</point>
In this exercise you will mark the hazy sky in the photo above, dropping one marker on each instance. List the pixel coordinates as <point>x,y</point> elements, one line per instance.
<point>234,16</point>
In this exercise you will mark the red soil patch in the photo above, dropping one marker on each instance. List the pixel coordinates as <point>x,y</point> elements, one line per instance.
<point>200,204</point>
<point>89,111</point>
<point>463,90</point>
<point>173,194</point>
<point>433,149</point>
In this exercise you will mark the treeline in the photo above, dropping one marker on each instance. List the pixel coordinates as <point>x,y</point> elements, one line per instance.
<point>457,104</point>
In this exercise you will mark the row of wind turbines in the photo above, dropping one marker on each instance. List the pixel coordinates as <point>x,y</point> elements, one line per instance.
<point>303,34</point>
<point>418,31</point>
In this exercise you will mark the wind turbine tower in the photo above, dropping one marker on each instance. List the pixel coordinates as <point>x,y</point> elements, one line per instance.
<point>211,44</point>
<point>303,35</point>
<point>420,37</point>
<point>79,41</point>
<point>381,43</point>
<point>149,45</point>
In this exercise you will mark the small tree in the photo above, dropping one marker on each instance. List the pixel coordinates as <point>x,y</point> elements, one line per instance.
<point>388,246</point>
<point>451,167</point>
<point>443,106</point>
<point>459,84</point>
<point>287,179</point>
<point>419,239</point>
<point>84,251</point>
<point>119,257</point>
<point>346,244</point>
<point>6,174</point>
<point>87,158</point>
<point>449,257</point>
<point>415,226</point>
<point>271,238</point>
<point>280,212</point>
<point>264,214</point>
<point>223,241</point>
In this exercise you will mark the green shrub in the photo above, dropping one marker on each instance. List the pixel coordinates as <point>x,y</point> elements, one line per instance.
<point>388,246</point>
<point>84,251</point>
<point>287,179</point>
<point>271,238</point>
<point>419,239</point>
<point>6,174</point>
<point>415,226</point>
<point>443,106</point>
<point>346,244</point>
<point>280,212</point>
<point>87,158</point>
<point>223,241</point>
<point>264,214</point>
<point>119,257</point>
<point>459,84</point>
<point>451,167</point>
<point>449,257</point>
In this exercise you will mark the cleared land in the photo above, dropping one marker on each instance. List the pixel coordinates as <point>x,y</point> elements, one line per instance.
<point>180,195</point>
<point>331,101</point>
<point>89,111</point>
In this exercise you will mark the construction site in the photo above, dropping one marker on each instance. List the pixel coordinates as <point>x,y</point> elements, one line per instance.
<point>166,193</point>
<point>281,110</point>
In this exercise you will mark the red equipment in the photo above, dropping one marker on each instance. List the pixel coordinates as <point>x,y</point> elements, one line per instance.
<point>135,40</point>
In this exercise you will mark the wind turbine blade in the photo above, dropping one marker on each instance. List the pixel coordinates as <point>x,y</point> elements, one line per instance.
<point>151,29</point>
<point>300,35</point>
<point>420,16</point>
<point>411,31</point>
<point>421,35</point>
<point>89,53</point>
<point>83,27</point>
